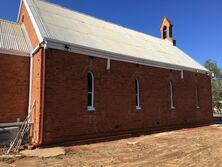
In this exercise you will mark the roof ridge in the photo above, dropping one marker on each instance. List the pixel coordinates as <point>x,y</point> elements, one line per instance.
<point>103,20</point>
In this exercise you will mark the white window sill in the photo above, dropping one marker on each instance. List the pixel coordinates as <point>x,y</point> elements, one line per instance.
<point>138,108</point>
<point>91,109</point>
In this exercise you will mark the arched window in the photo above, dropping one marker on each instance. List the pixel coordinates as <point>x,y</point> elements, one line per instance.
<point>90,99</point>
<point>23,18</point>
<point>171,95</point>
<point>137,86</point>
<point>164,32</point>
<point>197,97</point>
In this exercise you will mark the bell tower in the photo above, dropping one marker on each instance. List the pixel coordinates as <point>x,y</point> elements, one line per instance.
<point>166,30</point>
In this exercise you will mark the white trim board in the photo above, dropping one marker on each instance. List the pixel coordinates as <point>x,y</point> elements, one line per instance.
<point>40,38</point>
<point>54,44</point>
<point>20,7</point>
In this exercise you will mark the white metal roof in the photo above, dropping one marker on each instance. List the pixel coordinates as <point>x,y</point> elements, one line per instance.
<point>64,25</point>
<point>13,38</point>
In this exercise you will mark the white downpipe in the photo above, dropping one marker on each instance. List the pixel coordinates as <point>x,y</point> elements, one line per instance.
<point>30,83</point>
<point>31,75</point>
<point>182,75</point>
<point>108,64</point>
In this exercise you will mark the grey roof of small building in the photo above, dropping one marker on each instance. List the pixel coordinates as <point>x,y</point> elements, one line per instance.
<point>13,37</point>
<point>68,26</point>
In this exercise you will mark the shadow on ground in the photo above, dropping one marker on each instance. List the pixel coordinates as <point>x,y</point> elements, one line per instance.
<point>218,119</point>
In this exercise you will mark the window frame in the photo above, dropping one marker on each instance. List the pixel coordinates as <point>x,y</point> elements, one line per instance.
<point>165,34</point>
<point>197,97</point>
<point>172,102</point>
<point>90,107</point>
<point>137,85</point>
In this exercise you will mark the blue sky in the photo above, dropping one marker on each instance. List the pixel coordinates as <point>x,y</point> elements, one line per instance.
<point>197,23</point>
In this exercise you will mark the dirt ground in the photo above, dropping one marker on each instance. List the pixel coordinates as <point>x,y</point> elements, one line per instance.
<point>200,146</point>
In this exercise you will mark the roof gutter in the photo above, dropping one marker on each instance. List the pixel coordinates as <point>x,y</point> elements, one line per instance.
<point>56,44</point>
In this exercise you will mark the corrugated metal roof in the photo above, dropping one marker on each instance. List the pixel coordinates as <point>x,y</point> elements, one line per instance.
<point>58,23</point>
<point>12,37</point>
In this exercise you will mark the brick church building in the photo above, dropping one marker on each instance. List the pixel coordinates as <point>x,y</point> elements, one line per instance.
<point>83,78</point>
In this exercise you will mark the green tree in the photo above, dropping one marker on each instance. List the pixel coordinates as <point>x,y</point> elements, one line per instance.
<point>216,83</point>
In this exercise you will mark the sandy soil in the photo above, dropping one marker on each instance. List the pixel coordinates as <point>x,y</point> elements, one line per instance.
<point>186,147</point>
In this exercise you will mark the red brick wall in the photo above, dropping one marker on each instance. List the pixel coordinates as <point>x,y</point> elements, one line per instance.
<point>66,116</point>
<point>37,78</point>
<point>14,87</point>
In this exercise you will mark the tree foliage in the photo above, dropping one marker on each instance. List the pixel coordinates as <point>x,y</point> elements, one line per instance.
<point>216,83</point>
